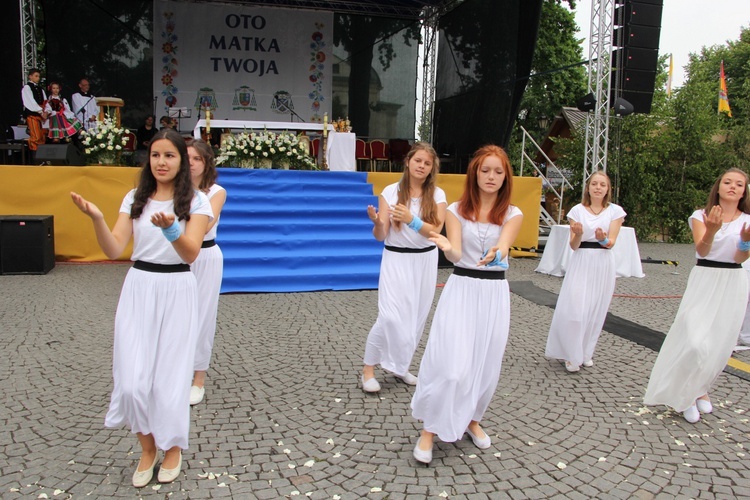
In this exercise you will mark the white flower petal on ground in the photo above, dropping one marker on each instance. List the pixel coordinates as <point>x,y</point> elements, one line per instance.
<point>375,489</point>
<point>561,465</point>
<point>292,466</point>
<point>309,463</point>
<point>329,441</point>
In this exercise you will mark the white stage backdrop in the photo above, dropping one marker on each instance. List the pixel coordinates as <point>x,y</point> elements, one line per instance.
<point>242,63</point>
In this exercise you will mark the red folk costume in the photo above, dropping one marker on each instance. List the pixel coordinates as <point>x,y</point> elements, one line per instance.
<point>62,122</point>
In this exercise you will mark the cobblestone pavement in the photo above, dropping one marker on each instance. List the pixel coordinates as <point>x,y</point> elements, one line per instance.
<point>284,415</point>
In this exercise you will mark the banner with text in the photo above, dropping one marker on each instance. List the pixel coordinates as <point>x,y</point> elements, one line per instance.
<point>241,62</point>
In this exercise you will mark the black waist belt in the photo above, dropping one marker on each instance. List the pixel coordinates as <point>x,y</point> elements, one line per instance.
<point>409,250</point>
<point>161,268</point>
<point>591,244</point>
<point>714,263</point>
<point>208,244</point>
<point>476,273</point>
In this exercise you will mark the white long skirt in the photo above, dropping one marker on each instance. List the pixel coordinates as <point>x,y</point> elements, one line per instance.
<point>701,338</point>
<point>461,365</point>
<point>154,346</point>
<point>744,338</point>
<point>405,291</point>
<point>208,269</point>
<point>582,305</point>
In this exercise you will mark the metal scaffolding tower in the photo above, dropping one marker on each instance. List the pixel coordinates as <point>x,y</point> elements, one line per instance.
<point>429,47</point>
<point>28,36</point>
<point>600,70</point>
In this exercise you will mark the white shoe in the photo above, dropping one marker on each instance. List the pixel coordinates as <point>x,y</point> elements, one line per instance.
<point>704,405</point>
<point>482,443</point>
<point>142,478</point>
<point>420,455</point>
<point>571,367</point>
<point>196,394</point>
<point>588,363</point>
<point>169,475</point>
<point>692,414</point>
<point>408,379</point>
<point>370,385</point>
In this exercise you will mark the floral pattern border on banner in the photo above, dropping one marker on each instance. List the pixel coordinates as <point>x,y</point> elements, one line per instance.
<point>317,60</point>
<point>169,61</point>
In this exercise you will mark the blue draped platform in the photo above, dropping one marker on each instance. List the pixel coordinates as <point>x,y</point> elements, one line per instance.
<point>297,231</point>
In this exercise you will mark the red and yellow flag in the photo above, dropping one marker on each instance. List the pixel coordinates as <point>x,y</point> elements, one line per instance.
<point>723,101</point>
<point>669,75</point>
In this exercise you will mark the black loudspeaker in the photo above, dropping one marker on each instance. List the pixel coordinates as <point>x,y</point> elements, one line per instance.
<point>637,31</point>
<point>27,244</point>
<point>623,107</point>
<point>586,103</point>
<point>635,58</point>
<point>640,13</point>
<point>59,154</point>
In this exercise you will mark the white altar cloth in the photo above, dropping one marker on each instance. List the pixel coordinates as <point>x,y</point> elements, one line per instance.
<point>557,253</point>
<point>340,153</point>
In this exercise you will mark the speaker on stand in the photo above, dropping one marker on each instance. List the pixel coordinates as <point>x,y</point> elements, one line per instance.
<point>27,244</point>
<point>59,154</point>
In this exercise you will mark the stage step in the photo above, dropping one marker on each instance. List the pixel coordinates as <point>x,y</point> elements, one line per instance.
<point>297,231</point>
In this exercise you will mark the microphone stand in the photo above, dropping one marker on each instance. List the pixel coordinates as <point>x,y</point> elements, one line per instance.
<point>292,113</point>
<point>83,112</point>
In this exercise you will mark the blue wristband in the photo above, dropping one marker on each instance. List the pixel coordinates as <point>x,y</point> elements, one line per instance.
<point>416,223</point>
<point>603,242</point>
<point>743,246</point>
<point>497,262</point>
<point>172,232</point>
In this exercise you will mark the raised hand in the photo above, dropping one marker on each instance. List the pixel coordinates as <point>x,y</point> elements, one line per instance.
<point>713,220</point>
<point>489,256</point>
<point>441,241</point>
<point>576,228</point>
<point>372,213</point>
<point>86,206</point>
<point>745,232</point>
<point>599,234</point>
<point>162,220</point>
<point>400,213</point>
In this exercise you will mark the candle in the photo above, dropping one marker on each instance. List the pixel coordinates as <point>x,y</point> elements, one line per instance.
<point>325,124</point>
<point>208,121</point>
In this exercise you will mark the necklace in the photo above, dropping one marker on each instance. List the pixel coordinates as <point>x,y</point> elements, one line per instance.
<point>596,213</point>
<point>725,225</point>
<point>483,236</point>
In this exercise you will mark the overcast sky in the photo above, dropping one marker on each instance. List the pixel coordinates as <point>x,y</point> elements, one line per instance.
<point>686,26</point>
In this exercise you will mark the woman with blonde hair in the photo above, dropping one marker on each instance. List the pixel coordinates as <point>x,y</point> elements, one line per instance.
<point>589,282</point>
<point>408,211</point>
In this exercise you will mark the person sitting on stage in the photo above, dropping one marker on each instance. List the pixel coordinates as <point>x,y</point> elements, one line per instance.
<point>33,98</point>
<point>84,105</point>
<point>145,133</point>
<point>166,122</point>
<point>62,122</point>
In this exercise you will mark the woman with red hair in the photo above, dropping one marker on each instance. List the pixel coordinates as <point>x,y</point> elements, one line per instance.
<point>461,364</point>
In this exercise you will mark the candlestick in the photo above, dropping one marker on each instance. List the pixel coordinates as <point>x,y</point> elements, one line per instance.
<point>325,124</point>
<point>208,121</point>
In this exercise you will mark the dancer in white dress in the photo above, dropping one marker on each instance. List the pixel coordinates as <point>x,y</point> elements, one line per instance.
<point>156,320</point>
<point>461,364</point>
<point>704,331</point>
<point>209,266</point>
<point>407,212</point>
<point>589,281</point>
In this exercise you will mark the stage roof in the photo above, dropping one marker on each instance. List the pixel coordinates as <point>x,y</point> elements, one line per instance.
<point>409,9</point>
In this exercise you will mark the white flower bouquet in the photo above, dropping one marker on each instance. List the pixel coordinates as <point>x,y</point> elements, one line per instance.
<point>104,145</point>
<point>265,150</point>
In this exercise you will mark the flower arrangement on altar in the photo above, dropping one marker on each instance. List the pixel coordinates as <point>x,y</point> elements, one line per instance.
<point>104,145</point>
<point>265,149</point>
